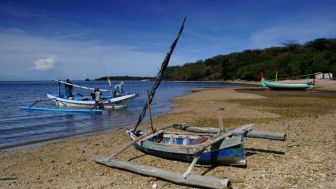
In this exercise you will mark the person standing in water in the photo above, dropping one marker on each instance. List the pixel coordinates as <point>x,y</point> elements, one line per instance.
<point>118,90</point>
<point>68,89</point>
<point>96,96</point>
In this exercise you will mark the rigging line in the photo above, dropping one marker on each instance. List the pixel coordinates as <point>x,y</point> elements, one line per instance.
<point>107,77</point>
<point>78,86</point>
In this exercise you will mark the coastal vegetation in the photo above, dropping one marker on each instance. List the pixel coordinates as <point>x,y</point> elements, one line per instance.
<point>290,59</point>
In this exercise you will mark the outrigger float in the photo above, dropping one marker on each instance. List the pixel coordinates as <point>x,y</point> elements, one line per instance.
<point>82,103</point>
<point>203,146</point>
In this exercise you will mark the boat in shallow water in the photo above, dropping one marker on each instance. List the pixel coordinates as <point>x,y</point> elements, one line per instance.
<point>87,101</point>
<point>79,101</point>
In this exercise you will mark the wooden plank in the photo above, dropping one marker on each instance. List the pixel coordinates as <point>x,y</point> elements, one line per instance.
<point>221,137</point>
<point>152,135</point>
<point>136,140</point>
<point>175,177</point>
<point>192,165</point>
<point>250,134</point>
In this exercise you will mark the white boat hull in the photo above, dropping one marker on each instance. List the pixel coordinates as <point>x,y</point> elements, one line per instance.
<point>110,103</point>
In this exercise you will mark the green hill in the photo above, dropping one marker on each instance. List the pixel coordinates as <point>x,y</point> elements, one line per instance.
<point>292,59</point>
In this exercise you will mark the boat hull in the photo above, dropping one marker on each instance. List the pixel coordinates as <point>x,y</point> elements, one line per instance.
<point>227,152</point>
<point>286,86</point>
<point>110,103</point>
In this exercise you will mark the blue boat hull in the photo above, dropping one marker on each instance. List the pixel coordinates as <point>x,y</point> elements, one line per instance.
<point>228,152</point>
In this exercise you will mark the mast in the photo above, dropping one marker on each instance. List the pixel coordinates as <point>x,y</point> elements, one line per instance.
<point>159,77</point>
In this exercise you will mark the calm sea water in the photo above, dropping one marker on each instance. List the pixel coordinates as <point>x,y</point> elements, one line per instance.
<point>18,128</point>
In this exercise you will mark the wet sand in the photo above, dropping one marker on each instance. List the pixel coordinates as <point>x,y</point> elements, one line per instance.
<point>306,160</point>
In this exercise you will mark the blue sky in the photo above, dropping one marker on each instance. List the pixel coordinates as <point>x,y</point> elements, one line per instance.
<point>78,39</point>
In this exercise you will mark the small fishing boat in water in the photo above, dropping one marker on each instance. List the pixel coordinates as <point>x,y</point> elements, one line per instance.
<point>83,103</point>
<point>79,101</point>
<point>88,101</point>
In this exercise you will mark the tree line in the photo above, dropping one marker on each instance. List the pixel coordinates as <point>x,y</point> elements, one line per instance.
<point>290,59</point>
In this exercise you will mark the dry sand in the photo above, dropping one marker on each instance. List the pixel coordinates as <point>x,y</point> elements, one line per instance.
<point>306,160</point>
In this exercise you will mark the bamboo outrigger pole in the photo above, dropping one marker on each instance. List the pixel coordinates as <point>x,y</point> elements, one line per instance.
<point>78,86</point>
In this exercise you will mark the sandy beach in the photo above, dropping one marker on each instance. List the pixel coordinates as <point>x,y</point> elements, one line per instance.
<point>305,160</point>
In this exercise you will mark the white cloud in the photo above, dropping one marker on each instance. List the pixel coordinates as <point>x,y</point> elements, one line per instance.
<point>24,54</point>
<point>45,63</point>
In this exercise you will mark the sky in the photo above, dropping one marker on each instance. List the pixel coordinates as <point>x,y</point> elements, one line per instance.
<point>79,39</point>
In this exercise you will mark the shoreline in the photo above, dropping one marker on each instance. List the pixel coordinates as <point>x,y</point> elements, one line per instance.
<point>67,163</point>
<point>38,143</point>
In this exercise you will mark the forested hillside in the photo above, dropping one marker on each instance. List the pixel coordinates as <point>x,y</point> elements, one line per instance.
<point>292,59</point>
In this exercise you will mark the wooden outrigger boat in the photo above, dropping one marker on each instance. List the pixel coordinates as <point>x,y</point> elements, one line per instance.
<point>182,147</point>
<point>80,101</point>
<point>107,102</point>
<point>212,147</point>
<point>287,86</point>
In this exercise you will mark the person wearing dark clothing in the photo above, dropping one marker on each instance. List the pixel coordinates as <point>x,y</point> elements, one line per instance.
<point>68,89</point>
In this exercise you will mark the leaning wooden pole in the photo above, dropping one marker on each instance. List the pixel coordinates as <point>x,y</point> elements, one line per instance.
<point>175,177</point>
<point>142,137</point>
<point>159,76</point>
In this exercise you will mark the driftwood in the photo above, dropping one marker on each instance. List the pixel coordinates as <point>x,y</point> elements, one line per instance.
<point>251,134</point>
<point>175,177</point>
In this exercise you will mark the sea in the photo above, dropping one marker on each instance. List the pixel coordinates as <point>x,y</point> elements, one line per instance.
<point>20,128</point>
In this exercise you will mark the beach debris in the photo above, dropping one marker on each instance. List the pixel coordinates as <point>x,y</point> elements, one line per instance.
<point>154,186</point>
